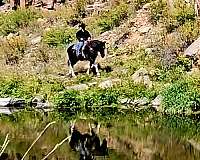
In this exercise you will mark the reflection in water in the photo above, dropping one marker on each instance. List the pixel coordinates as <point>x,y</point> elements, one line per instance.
<point>127,139</point>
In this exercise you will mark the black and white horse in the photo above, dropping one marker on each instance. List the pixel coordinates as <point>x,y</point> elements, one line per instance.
<point>90,51</point>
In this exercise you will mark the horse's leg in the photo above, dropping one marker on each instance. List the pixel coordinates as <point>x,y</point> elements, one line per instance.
<point>97,70</point>
<point>71,69</point>
<point>88,70</point>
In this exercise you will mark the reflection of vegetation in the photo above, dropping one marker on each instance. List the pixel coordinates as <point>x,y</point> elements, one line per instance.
<point>141,128</point>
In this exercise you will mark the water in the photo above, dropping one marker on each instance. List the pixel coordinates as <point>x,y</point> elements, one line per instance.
<point>129,138</point>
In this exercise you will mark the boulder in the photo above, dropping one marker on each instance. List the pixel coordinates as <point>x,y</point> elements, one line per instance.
<point>193,49</point>
<point>140,102</point>
<point>144,29</point>
<point>36,40</point>
<point>109,83</point>
<point>92,84</point>
<point>141,77</point>
<point>5,102</point>
<point>9,102</point>
<point>156,103</point>
<point>125,101</point>
<point>106,84</point>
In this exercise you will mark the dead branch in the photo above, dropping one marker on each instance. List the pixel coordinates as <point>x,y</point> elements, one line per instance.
<point>47,126</point>
<point>56,146</point>
<point>5,143</point>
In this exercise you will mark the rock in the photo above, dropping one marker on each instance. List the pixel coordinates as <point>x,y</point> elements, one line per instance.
<point>11,35</point>
<point>193,49</point>
<point>125,101</point>
<point>140,102</point>
<point>79,87</point>
<point>36,100</point>
<point>156,103</point>
<point>5,102</point>
<point>36,40</point>
<point>9,102</point>
<point>116,81</point>
<point>106,84</point>
<point>109,83</point>
<point>144,29</point>
<point>141,76</point>
<point>149,50</point>
<point>18,103</point>
<point>92,84</point>
<point>195,144</point>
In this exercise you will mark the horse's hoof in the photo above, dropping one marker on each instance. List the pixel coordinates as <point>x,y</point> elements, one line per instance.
<point>98,75</point>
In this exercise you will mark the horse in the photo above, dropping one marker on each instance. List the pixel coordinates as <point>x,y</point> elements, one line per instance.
<point>91,50</point>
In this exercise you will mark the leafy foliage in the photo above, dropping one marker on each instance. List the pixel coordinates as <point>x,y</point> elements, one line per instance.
<point>113,18</point>
<point>12,21</point>
<point>157,10</point>
<point>181,97</point>
<point>59,36</point>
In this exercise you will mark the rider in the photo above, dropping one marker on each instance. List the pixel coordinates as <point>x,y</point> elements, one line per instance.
<point>83,36</point>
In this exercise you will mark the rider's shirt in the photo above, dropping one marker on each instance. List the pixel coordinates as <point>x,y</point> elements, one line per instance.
<point>83,35</point>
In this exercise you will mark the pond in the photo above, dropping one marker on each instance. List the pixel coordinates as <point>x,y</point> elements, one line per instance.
<point>139,136</point>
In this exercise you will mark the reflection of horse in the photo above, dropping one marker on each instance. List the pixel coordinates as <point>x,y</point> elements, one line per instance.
<point>87,144</point>
<point>90,51</point>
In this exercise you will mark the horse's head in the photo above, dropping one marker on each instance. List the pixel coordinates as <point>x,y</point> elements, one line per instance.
<point>102,49</point>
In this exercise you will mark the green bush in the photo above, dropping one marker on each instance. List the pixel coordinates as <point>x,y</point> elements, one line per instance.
<point>113,18</point>
<point>181,97</point>
<point>14,88</point>
<point>80,6</point>
<point>12,21</point>
<point>157,10</point>
<point>189,32</point>
<point>71,102</point>
<point>181,13</point>
<point>59,36</point>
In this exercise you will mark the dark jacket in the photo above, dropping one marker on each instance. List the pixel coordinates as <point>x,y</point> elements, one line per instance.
<point>85,35</point>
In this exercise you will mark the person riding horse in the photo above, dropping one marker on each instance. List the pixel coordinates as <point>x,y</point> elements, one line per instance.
<point>83,36</point>
<point>85,50</point>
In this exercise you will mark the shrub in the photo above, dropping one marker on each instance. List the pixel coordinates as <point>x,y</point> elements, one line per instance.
<point>112,18</point>
<point>157,10</point>
<point>12,21</point>
<point>68,100</point>
<point>181,13</point>
<point>80,8</point>
<point>189,32</point>
<point>169,74</point>
<point>181,97</point>
<point>13,49</point>
<point>14,87</point>
<point>72,102</point>
<point>59,36</point>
